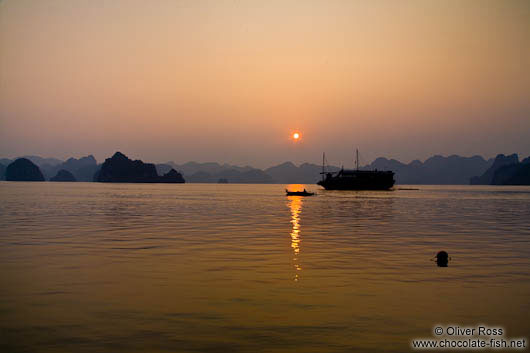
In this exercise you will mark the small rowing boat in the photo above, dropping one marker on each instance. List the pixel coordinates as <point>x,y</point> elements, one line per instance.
<point>298,193</point>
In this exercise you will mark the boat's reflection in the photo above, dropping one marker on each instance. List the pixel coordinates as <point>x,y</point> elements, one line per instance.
<point>295,205</point>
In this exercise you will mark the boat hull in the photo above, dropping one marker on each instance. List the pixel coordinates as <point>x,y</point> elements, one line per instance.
<point>299,193</point>
<point>359,180</point>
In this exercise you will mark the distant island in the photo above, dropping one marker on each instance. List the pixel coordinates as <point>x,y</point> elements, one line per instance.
<point>63,175</point>
<point>451,170</point>
<point>23,170</point>
<point>120,169</point>
<point>506,170</point>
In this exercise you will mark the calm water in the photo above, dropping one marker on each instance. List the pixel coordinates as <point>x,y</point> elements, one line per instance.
<point>90,267</point>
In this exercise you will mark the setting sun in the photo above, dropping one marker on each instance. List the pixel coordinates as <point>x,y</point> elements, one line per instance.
<point>296,136</point>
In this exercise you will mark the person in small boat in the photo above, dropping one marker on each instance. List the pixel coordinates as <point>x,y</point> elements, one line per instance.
<point>300,193</point>
<point>442,258</point>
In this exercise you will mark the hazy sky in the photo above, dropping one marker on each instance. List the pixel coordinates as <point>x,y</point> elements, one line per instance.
<point>229,81</point>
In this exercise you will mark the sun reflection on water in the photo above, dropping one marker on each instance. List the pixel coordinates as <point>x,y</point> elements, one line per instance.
<point>295,205</point>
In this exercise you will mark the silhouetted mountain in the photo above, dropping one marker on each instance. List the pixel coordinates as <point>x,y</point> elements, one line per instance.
<point>73,163</point>
<point>487,177</point>
<point>404,173</point>
<point>39,161</point>
<point>193,167</point>
<point>163,168</point>
<point>190,168</point>
<point>172,177</point>
<point>435,170</point>
<point>200,177</point>
<point>23,169</point>
<point>451,170</point>
<point>311,172</point>
<point>63,175</point>
<point>47,166</point>
<point>83,168</point>
<point>2,172</point>
<point>257,176</point>
<point>211,172</point>
<point>232,176</point>
<point>513,174</point>
<point>48,170</point>
<point>284,173</point>
<point>288,173</point>
<point>120,169</point>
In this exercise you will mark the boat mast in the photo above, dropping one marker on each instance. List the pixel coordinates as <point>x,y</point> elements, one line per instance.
<point>357,158</point>
<point>323,164</point>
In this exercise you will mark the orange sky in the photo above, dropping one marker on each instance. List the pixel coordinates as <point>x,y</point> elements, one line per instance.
<point>229,81</point>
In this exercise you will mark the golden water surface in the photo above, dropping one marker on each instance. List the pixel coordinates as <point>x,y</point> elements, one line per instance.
<point>88,267</point>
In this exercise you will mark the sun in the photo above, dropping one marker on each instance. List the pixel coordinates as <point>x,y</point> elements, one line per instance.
<point>296,136</point>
